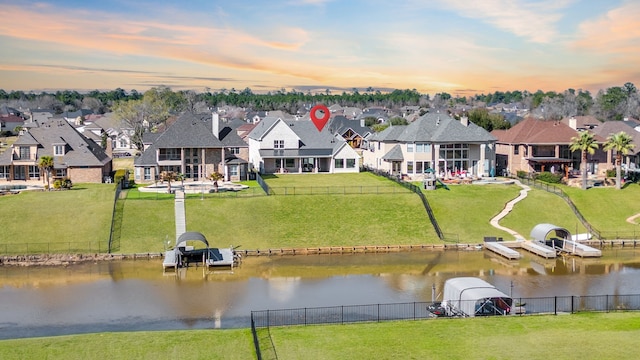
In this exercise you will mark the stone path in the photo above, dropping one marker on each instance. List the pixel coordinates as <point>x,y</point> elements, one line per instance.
<point>507,209</point>
<point>181,223</point>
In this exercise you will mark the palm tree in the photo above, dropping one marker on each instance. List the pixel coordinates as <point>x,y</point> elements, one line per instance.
<point>46,165</point>
<point>215,177</point>
<point>168,176</point>
<point>622,143</point>
<point>585,143</point>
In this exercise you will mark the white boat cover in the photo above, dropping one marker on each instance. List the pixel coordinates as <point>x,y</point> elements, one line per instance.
<point>474,296</point>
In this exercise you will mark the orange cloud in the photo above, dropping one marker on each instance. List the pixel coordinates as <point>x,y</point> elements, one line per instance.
<point>617,32</point>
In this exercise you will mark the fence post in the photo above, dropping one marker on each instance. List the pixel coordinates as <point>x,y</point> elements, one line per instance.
<point>572,309</point>
<point>378,312</point>
<point>606,302</point>
<point>342,314</point>
<point>555,305</point>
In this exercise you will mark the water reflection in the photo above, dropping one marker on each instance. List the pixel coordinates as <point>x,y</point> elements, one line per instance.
<point>136,295</point>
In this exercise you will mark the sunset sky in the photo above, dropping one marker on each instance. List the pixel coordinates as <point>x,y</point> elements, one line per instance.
<point>457,46</point>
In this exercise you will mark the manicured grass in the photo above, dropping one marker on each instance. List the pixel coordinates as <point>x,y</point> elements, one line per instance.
<point>465,210</point>
<point>154,345</point>
<point>586,336</point>
<point>147,223</point>
<point>541,207</point>
<point>607,208</point>
<point>311,220</point>
<point>79,215</point>
<point>302,180</point>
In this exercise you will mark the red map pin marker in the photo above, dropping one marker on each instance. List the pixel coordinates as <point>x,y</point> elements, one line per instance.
<point>320,122</point>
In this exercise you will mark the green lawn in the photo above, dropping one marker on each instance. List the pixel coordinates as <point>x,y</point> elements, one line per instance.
<point>578,336</point>
<point>541,207</point>
<point>262,222</point>
<point>582,336</point>
<point>153,345</point>
<point>79,215</point>
<point>465,210</point>
<point>311,220</point>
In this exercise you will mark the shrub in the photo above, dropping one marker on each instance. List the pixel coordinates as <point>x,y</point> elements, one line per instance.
<point>549,177</point>
<point>521,174</point>
<point>611,173</point>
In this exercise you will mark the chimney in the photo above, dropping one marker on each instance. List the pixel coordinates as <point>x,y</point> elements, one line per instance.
<point>361,122</point>
<point>215,124</point>
<point>109,149</point>
<point>464,120</point>
<point>573,123</point>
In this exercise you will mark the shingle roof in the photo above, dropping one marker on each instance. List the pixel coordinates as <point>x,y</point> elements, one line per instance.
<point>534,131</point>
<point>340,124</point>
<point>395,154</point>
<point>79,151</point>
<point>612,127</point>
<point>189,131</point>
<point>310,137</point>
<point>435,128</point>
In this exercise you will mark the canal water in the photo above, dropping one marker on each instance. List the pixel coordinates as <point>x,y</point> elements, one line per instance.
<point>137,295</point>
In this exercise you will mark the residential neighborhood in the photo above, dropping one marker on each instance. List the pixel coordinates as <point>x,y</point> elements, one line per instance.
<point>238,142</point>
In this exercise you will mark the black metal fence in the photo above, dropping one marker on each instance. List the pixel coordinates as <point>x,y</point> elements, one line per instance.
<point>265,187</point>
<point>425,310</point>
<point>337,190</point>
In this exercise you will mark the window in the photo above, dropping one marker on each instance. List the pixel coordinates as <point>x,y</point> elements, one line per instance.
<point>233,150</point>
<point>233,170</point>
<point>289,163</point>
<point>34,171</point>
<point>410,148</point>
<point>147,173</point>
<point>351,163</point>
<point>58,150</point>
<point>409,167</point>
<point>278,144</point>
<point>122,143</point>
<point>339,163</point>
<point>516,149</point>
<point>419,148</point>
<point>60,173</point>
<point>169,154</point>
<point>4,172</point>
<point>25,152</point>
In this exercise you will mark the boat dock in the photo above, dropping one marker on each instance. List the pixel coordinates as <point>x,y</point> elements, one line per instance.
<point>503,250</point>
<point>582,250</point>
<point>539,249</point>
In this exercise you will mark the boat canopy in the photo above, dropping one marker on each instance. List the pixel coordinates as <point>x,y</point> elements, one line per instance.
<point>475,297</point>
<point>191,235</point>
<point>541,231</point>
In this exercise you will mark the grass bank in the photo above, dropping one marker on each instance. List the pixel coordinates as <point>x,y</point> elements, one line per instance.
<point>585,335</point>
<point>79,215</point>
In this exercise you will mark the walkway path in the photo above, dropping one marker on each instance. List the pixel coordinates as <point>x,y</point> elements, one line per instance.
<point>507,209</point>
<point>181,223</point>
<point>632,219</point>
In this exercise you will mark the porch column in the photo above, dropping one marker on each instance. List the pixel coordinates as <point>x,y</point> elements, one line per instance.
<point>557,151</point>
<point>182,161</point>
<point>315,165</point>
<point>481,169</point>
<point>435,159</point>
<point>300,165</point>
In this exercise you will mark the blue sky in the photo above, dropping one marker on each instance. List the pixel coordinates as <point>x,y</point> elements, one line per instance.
<point>456,46</point>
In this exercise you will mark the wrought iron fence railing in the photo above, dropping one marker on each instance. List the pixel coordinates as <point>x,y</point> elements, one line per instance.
<point>425,310</point>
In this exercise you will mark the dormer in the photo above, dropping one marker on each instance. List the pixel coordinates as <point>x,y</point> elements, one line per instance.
<point>59,147</point>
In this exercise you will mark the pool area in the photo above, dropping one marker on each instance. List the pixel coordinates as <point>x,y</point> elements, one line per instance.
<point>487,181</point>
<point>19,187</point>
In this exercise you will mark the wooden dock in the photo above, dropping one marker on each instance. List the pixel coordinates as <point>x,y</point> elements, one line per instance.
<point>539,249</point>
<point>503,250</point>
<point>582,250</point>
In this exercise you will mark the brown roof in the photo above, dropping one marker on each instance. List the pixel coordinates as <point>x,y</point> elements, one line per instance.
<point>534,131</point>
<point>583,122</point>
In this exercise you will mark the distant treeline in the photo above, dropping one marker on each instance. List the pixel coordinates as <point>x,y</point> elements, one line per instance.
<point>614,103</point>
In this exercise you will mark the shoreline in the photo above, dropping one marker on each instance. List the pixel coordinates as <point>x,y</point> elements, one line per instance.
<point>71,259</point>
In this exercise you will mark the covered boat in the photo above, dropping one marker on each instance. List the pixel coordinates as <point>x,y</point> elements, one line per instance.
<point>470,296</point>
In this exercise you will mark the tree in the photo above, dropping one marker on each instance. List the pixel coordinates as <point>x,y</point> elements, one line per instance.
<point>168,176</point>
<point>46,165</point>
<point>622,143</point>
<point>586,144</point>
<point>215,177</point>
